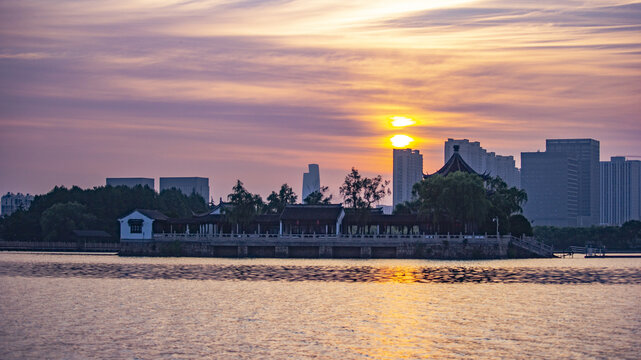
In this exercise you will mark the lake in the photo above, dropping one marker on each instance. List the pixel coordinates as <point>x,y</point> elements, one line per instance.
<point>79,306</point>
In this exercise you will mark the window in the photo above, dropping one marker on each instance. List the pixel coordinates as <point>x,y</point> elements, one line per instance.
<point>135,226</point>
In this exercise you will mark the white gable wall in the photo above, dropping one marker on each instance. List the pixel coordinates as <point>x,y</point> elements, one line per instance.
<point>147,227</point>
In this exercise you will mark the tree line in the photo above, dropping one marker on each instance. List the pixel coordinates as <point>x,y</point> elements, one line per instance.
<point>624,237</point>
<point>54,215</point>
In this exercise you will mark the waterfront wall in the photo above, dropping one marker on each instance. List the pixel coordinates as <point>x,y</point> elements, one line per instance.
<point>59,246</point>
<point>402,247</point>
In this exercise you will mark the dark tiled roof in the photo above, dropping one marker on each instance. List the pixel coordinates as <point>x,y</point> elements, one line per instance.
<point>381,219</point>
<point>454,164</point>
<point>312,212</point>
<point>91,233</point>
<point>153,214</point>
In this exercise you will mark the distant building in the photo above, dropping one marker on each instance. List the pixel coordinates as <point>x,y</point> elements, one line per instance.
<point>187,185</point>
<point>131,182</point>
<point>408,170</point>
<point>620,190</point>
<point>311,181</point>
<point>551,183</point>
<point>484,162</point>
<point>586,153</point>
<point>12,202</point>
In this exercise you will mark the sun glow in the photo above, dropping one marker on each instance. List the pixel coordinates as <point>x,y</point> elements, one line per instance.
<point>400,141</point>
<point>401,121</point>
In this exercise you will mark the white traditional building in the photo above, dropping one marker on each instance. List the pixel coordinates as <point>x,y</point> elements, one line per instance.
<point>139,225</point>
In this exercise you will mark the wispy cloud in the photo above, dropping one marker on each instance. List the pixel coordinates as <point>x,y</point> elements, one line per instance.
<point>241,89</point>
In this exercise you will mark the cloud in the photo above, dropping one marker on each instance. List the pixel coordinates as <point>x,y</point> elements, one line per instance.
<point>273,85</point>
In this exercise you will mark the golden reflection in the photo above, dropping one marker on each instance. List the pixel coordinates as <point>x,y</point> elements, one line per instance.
<point>400,274</point>
<point>400,141</point>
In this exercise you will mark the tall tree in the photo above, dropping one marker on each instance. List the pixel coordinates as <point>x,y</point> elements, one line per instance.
<point>456,202</point>
<point>505,202</point>
<point>244,206</point>
<point>361,192</point>
<point>276,202</point>
<point>319,197</point>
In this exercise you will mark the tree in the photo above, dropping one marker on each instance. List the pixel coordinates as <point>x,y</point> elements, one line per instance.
<point>519,225</point>
<point>505,202</point>
<point>456,202</point>
<point>60,219</point>
<point>278,201</point>
<point>318,197</point>
<point>361,192</point>
<point>244,206</point>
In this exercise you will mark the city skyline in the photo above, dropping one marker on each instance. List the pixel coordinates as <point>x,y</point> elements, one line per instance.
<point>254,91</point>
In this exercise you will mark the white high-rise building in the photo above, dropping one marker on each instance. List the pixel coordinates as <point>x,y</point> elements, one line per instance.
<point>484,162</point>
<point>12,202</point>
<point>620,190</point>
<point>408,170</point>
<point>311,181</point>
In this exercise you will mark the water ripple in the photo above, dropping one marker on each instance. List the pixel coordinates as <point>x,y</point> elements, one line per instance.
<point>445,274</point>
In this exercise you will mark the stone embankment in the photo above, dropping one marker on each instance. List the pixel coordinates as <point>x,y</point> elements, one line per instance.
<point>461,247</point>
<point>59,246</point>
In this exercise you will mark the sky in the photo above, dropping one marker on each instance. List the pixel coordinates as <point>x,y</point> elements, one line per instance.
<point>256,90</point>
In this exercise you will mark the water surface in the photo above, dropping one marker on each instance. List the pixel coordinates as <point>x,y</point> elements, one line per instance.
<point>82,306</point>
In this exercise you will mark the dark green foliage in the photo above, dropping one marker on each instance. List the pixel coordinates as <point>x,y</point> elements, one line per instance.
<point>106,204</point>
<point>244,206</point>
<point>278,201</point>
<point>463,202</point>
<point>519,225</point>
<point>60,219</point>
<point>625,237</point>
<point>361,192</point>
<point>454,203</point>
<point>319,197</point>
<point>505,202</point>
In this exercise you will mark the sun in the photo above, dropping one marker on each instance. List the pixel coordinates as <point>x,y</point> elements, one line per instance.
<point>400,141</point>
<point>401,121</point>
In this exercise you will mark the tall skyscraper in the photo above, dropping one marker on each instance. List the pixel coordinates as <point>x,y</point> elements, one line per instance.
<point>131,182</point>
<point>484,162</point>
<point>311,181</point>
<point>620,190</point>
<point>187,185</point>
<point>551,183</point>
<point>586,152</point>
<point>408,170</point>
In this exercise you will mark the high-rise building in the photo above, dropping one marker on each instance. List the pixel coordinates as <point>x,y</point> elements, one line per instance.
<point>311,181</point>
<point>620,190</point>
<point>551,183</point>
<point>187,185</point>
<point>131,182</point>
<point>484,162</point>
<point>586,152</point>
<point>11,202</point>
<point>408,170</point>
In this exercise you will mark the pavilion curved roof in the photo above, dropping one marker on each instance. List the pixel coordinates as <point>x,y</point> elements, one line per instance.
<point>454,164</point>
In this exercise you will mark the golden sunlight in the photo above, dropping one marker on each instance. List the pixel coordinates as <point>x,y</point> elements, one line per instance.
<point>401,121</point>
<point>401,140</point>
